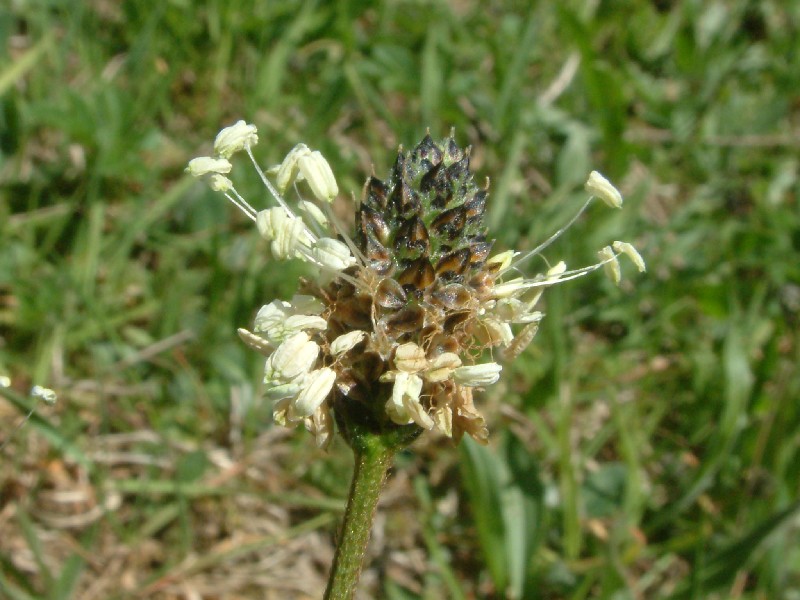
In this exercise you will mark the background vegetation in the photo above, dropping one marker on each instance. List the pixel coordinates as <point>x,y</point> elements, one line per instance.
<point>647,445</point>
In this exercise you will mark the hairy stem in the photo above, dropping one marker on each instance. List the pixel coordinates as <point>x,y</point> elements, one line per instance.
<point>373,458</point>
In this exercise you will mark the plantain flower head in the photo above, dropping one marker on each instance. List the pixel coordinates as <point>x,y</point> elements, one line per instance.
<point>403,317</point>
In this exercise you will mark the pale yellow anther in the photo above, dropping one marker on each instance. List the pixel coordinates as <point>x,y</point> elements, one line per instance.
<point>599,186</point>
<point>332,254</point>
<point>234,138</point>
<point>502,260</point>
<point>556,270</point>
<point>293,358</point>
<point>610,264</point>
<point>477,375</point>
<point>346,342</point>
<point>220,183</point>
<point>316,388</point>
<point>631,252</point>
<point>205,165</point>
<point>319,176</point>
<point>288,169</point>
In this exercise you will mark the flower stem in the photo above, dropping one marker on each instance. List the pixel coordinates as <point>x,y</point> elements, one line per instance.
<point>373,458</point>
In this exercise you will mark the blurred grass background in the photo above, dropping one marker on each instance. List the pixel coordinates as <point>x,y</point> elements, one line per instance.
<point>647,445</point>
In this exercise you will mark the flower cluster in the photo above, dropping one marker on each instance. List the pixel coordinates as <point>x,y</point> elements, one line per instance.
<point>400,318</point>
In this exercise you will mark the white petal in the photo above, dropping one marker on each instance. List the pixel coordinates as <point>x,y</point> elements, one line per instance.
<point>477,375</point>
<point>317,386</point>
<point>599,186</point>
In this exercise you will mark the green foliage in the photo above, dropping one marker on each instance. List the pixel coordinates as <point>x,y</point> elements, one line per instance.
<point>648,444</point>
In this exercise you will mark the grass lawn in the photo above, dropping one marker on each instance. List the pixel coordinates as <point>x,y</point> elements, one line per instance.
<point>646,445</point>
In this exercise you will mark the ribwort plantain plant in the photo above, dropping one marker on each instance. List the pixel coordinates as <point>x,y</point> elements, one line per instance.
<point>391,337</point>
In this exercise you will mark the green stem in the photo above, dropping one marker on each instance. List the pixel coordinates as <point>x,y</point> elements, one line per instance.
<point>373,457</point>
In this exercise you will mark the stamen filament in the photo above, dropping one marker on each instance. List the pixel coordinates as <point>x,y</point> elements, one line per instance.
<point>271,188</point>
<point>552,238</point>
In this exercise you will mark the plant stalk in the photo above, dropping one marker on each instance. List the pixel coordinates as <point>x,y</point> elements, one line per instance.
<point>373,458</point>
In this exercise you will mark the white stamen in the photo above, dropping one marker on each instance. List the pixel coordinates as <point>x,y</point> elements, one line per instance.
<point>631,252</point>
<point>599,186</point>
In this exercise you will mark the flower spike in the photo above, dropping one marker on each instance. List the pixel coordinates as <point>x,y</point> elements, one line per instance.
<point>398,327</point>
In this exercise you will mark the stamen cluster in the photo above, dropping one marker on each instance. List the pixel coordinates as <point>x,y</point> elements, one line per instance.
<point>398,322</point>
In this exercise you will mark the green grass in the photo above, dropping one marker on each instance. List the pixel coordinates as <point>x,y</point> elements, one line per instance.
<point>647,445</point>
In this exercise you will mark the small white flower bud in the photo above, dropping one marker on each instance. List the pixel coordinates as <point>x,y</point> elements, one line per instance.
<point>610,264</point>
<point>347,342</point>
<point>44,394</point>
<point>333,254</point>
<point>477,375</point>
<point>287,171</point>
<point>410,358</point>
<point>599,186</point>
<point>319,176</point>
<point>631,252</point>
<point>234,138</point>
<point>220,183</point>
<point>203,165</point>
<point>316,388</point>
<point>5,381</point>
